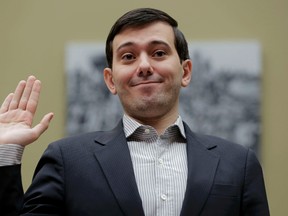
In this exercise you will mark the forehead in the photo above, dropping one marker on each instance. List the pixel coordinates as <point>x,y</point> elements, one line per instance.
<point>146,34</point>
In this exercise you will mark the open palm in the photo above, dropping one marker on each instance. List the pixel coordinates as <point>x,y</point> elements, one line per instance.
<point>17,113</point>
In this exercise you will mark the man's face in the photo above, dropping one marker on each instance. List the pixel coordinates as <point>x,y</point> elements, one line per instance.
<point>147,73</point>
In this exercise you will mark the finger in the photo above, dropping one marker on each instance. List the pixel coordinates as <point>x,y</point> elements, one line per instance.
<point>27,91</point>
<point>42,126</point>
<point>17,95</point>
<point>6,103</point>
<point>34,97</point>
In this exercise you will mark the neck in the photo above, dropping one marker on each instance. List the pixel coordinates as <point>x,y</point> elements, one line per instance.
<point>160,123</point>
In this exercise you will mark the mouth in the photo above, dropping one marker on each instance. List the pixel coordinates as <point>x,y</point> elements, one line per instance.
<point>147,82</point>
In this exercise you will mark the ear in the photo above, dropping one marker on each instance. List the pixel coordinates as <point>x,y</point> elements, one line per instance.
<point>108,78</point>
<point>187,72</point>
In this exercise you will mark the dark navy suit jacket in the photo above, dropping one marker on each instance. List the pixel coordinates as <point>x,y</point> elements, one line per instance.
<point>92,174</point>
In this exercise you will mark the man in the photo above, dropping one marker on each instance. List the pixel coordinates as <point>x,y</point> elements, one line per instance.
<point>151,163</point>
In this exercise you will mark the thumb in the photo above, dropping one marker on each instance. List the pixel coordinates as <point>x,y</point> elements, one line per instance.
<point>43,125</point>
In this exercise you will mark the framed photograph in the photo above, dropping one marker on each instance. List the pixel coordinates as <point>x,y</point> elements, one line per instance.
<point>223,98</point>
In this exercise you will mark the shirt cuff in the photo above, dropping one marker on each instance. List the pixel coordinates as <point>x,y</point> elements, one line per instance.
<point>10,154</point>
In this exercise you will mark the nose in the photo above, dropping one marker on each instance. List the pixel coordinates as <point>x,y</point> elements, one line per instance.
<point>144,67</point>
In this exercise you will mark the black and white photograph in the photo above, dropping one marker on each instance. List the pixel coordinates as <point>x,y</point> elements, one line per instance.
<point>223,98</point>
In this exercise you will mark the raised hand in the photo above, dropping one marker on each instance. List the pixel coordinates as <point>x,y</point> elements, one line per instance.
<point>17,113</point>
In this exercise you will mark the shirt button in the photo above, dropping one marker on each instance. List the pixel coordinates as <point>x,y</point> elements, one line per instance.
<point>160,161</point>
<point>147,130</point>
<point>163,197</point>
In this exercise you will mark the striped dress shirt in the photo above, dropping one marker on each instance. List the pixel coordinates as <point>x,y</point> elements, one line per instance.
<point>10,154</point>
<point>160,166</point>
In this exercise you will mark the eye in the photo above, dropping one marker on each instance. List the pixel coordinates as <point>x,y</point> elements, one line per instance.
<point>159,53</point>
<point>127,57</point>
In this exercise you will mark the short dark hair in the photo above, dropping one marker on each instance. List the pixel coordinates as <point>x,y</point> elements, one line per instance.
<point>140,17</point>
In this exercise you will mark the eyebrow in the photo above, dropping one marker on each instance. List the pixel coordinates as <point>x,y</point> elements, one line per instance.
<point>154,42</point>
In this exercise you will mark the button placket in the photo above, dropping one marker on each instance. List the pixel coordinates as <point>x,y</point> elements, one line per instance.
<point>162,189</point>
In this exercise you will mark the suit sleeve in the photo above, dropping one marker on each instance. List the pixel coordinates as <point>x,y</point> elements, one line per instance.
<point>254,197</point>
<point>45,196</point>
<point>11,191</point>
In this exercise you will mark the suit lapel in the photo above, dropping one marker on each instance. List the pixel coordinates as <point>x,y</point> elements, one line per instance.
<point>113,155</point>
<point>202,165</point>
<point>114,158</point>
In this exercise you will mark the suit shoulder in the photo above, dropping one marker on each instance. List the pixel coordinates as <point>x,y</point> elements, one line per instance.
<point>214,142</point>
<point>76,140</point>
<point>231,154</point>
<point>222,146</point>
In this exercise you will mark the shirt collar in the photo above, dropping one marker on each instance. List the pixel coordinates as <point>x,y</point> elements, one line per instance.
<point>131,125</point>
